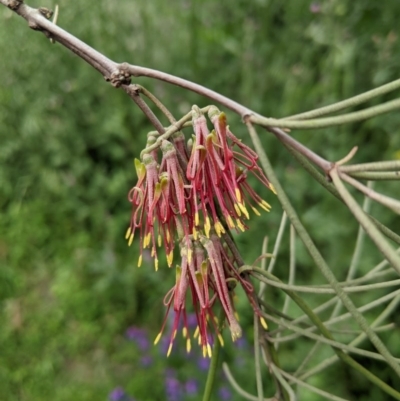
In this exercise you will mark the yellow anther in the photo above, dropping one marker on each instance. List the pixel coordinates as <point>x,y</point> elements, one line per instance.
<point>196,219</point>
<point>188,345</point>
<point>209,351</point>
<point>219,228</point>
<point>204,351</point>
<point>130,240</point>
<point>196,332</point>
<point>264,323</point>
<point>230,222</point>
<point>221,340</point>
<point>169,350</point>
<point>146,240</point>
<point>128,233</point>
<point>194,232</point>
<point>264,205</point>
<point>238,195</point>
<point>240,225</point>
<point>272,188</point>
<point>207,227</point>
<point>159,240</point>
<point>139,263</point>
<point>237,209</point>
<point>256,211</point>
<point>184,332</point>
<point>174,335</point>
<point>170,258</point>
<point>244,210</point>
<point>156,264</point>
<point>157,338</point>
<point>153,252</point>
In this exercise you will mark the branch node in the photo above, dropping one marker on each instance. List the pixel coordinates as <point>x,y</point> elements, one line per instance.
<point>33,25</point>
<point>121,76</point>
<point>47,13</point>
<point>14,4</point>
<point>246,117</point>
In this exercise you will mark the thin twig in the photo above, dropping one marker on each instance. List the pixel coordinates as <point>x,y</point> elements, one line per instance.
<point>157,102</point>
<point>236,386</point>
<point>382,199</point>
<point>330,121</point>
<point>329,361</point>
<point>257,364</point>
<point>391,165</point>
<point>315,390</point>
<point>133,93</point>
<point>367,224</point>
<point>344,104</point>
<point>377,176</point>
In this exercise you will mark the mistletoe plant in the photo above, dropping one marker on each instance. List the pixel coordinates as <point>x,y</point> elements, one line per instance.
<point>193,192</point>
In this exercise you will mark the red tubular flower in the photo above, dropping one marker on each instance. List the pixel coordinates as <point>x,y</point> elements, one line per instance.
<point>217,267</point>
<point>192,197</point>
<point>173,169</point>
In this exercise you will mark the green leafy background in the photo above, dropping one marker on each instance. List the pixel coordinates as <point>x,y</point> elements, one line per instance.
<point>69,285</point>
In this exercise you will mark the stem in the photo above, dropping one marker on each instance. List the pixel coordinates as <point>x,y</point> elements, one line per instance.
<point>171,130</point>
<point>157,102</point>
<point>257,363</point>
<point>318,290</point>
<point>133,92</point>
<point>316,390</point>
<point>236,386</point>
<point>274,256</point>
<point>351,102</point>
<point>287,140</point>
<point>330,121</point>
<point>212,372</point>
<point>379,176</point>
<point>367,224</point>
<point>332,189</point>
<point>376,196</point>
<point>373,166</point>
<point>357,252</point>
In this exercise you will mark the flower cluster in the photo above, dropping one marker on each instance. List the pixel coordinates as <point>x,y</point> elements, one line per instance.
<point>188,196</point>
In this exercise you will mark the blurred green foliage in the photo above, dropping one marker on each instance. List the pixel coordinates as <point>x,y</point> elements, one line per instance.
<point>69,286</point>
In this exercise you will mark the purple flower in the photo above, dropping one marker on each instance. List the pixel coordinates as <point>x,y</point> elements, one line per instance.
<point>192,387</point>
<point>139,336</point>
<point>146,361</point>
<point>241,343</point>
<point>173,389</point>
<point>118,394</point>
<point>224,393</point>
<point>192,320</point>
<point>203,363</point>
<point>164,344</point>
